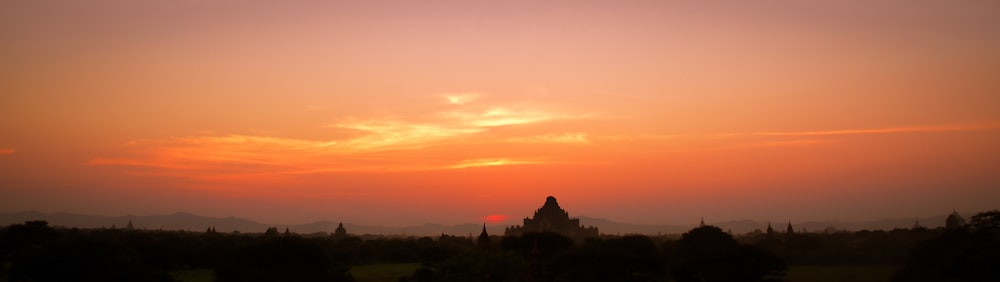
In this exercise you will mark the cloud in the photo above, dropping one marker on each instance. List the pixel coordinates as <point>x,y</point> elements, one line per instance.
<point>792,143</point>
<point>903,129</point>
<point>491,162</point>
<point>460,98</point>
<point>394,134</point>
<point>376,144</point>
<point>564,138</point>
<point>497,116</point>
<point>5,151</point>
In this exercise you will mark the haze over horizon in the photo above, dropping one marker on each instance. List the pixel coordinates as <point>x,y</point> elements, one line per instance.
<point>398,112</point>
<point>507,221</point>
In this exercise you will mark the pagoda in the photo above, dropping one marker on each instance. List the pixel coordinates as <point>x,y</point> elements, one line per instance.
<point>551,218</point>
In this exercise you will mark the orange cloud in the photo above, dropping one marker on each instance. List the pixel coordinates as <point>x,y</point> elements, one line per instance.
<point>792,143</point>
<point>491,162</point>
<point>4,151</point>
<point>391,134</point>
<point>373,145</point>
<point>904,129</point>
<point>499,116</point>
<point>565,138</point>
<point>460,98</point>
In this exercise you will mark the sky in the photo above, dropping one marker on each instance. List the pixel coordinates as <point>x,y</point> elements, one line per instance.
<point>407,112</point>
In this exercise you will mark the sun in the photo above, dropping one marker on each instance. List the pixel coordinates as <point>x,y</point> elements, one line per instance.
<point>495,218</point>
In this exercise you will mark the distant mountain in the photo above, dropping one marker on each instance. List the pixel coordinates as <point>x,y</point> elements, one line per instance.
<point>176,221</point>
<point>745,226</point>
<point>191,222</point>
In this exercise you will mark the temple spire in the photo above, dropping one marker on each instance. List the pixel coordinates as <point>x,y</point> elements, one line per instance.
<point>484,239</point>
<point>340,232</point>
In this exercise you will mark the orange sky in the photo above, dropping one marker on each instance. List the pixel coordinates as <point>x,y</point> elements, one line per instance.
<point>405,112</point>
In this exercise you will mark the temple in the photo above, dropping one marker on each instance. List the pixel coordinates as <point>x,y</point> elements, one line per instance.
<point>954,220</point>
<point>484,239</point>
<point>551,218</point>
<point>340,232</point>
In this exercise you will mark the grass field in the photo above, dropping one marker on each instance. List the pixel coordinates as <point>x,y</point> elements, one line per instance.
<point>824,273</point>
<point>386,272</point>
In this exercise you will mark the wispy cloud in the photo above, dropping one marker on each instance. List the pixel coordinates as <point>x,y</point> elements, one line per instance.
<point>902,129</point>
<point>491,162</point>
<point>792,143</point>
<point>395,134</point>
<point>732,140</point>
<point>564,138</point>
<point>460,98</point>
<point>499,116</point>
<point>375,144</point>
<point>5,151</point>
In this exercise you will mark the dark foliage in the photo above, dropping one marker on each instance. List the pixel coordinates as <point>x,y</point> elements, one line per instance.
<point>988,221</point>
<point>842,248</point>
<point>40,253</point>
<point>708,254</point>
<point>281,259</point>
<point>34,251</point>
<point>963,254</point>
<point>629,258</point>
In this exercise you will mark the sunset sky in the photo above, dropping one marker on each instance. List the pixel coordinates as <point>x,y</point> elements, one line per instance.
<point>405,112</point>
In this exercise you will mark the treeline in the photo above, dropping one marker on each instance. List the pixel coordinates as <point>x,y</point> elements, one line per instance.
<point>843,248</point>
<point>34,251</point>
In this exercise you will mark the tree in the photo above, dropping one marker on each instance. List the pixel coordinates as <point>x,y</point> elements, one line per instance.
<point>986,221</point>
<point>287,258</point>
<point>708,254</point>
<point>271,231</point>
<point>961,254</point>
<point>629,258</point>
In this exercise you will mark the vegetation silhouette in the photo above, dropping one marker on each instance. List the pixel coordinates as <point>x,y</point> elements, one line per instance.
<point>628,258</point>
<point>35,251</point>
<point>707,253</point>
<point>965,253</point>
<point>286,258</point>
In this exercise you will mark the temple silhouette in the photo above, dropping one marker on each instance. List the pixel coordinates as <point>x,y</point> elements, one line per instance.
<point>954,220</point>
<point>551,218</point>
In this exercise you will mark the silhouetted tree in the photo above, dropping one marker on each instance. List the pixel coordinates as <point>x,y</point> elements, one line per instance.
<point>708,254</point>
<point>479,265</point>
<point>271,231</point>
<point>959,254</point>
<point>83,256</point>
<point>540,250</point>
<point>629,258</point>
<point>548,244</point>
<point>282,259</point>
<point>986,221</point>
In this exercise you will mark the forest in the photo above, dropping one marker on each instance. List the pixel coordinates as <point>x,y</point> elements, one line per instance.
<point>35,251</point>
